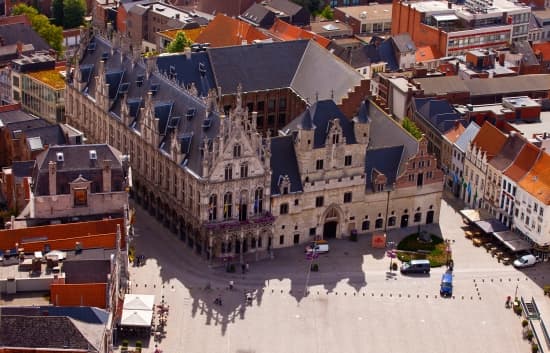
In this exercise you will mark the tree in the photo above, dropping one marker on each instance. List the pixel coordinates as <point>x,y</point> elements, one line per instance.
<point>57,12</point>
<point>41,24</point>
<point>179,43</point>
<point>411,127</point>
<point>74,11</point>
<point>327,13</point>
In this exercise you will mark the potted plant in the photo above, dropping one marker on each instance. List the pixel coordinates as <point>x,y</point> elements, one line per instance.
<point>546,289</point>
<point>138,346</point>
<point>529,335</point>
<point>315,267</point>
<point>394,266</point>
<point>534,348</point>
<point>124,347</point>
<point>524,323</point>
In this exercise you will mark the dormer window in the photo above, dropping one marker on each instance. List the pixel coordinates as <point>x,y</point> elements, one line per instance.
<point>335,138</point>
<point>80,196</point>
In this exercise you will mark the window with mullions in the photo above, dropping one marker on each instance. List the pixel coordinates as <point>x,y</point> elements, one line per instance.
<point>227,205</point>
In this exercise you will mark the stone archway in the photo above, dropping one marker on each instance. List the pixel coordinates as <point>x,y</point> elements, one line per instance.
<point>332,219</point>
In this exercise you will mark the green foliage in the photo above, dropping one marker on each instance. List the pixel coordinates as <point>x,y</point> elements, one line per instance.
<point>57,12</point>
<point>179,43</point>
<point>411,248</point>
<point>50,33</point>
<point>327,13</point>
<point>74,11</point>
<point>411,127</point>
<point>524,323</point>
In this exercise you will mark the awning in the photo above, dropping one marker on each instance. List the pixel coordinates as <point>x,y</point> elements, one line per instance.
<point>442,18</point>
<point>475,215</point>
<point>138,302</point>
<point>491,226</point>
<point>512,240</point>
<point>137,318</point>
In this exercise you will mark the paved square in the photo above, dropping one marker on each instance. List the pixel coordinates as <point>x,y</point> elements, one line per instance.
<point>354,304</point>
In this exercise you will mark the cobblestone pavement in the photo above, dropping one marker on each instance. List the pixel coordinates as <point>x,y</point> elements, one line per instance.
<point>354,304</point>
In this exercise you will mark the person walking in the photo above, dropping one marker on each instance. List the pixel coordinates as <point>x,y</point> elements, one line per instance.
<point>247,267</point>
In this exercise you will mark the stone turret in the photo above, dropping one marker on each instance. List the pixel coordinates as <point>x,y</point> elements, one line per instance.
<point>361,124</point>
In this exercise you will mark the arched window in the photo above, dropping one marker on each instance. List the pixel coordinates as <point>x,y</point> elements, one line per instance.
<point>379,223</point>
<point>213,207</point>
<point>227,205</point>
<point>391,221</point>
<point>258,200</point>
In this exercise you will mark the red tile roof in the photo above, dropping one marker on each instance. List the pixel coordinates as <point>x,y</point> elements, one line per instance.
<point>523,163</point>
<point>489,139</point>
<point>426,53</point>
<point>284,31</point>
<point>453,134</point>
<point>544,49</point>
<point>225,31</point>
<point>537,181</point>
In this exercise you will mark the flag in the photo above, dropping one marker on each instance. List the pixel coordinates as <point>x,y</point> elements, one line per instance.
<point>469,189</point>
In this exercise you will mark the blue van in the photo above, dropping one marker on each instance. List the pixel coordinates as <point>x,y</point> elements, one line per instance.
<point>446,289</point>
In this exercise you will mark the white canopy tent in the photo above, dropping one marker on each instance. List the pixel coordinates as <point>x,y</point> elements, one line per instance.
<point>137,318</point>
<point>139,302</point>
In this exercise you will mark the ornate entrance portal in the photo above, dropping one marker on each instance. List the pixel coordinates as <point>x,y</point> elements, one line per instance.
<point>330,228</point>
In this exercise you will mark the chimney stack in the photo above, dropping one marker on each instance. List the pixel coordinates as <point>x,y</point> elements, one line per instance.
<point>52,178</point>
<point>106,166</point>
<point>19,48</point>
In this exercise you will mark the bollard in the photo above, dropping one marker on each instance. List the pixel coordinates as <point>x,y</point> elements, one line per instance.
<point>381,294</point>
<point>345,293</point>
<point>317,292</point>
<point>372,294</point>
<point>335,293</point>
<point>418,295</point>
<point>426,296</point>
<point>471,298</point>
<point>154,286</point>
<point>145,285</point>
<point>390,294</point>
<point>463,297</point>
<point>453,297</point>
<point>281,291</point>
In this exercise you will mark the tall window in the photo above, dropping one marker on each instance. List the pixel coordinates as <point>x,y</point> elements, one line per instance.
<point>80,197</point>
<point>258,200</point>
<point>347,160</point>
<point>228,172</point>
<point>283,209</point>
<point>227,205</point>
<point>213,207</point>
<point>319,164</point>
<point>237,151</point>
<point>319,201</point>
<point>244,170</point>
<point>347,197</point>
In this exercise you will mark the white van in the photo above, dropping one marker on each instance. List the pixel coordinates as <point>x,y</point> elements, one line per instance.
<point>319,246</point>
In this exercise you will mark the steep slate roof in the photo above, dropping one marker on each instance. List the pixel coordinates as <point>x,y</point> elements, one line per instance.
<point>27,125</point>
<point>442,85</point>
<point>490,140</point>
<point>537,180</point>
<point>189,69</point>
<point>257,67</point>
<point>21,32</point>
<point>387,54</point>
<point>512,147</point>
<point>86,314</point>
<point>524,48</point>
<point>439,113</point>
<point>41,332</point>
<point>286,6</point>
<point>76,162</point>
<point>22,168</point>
<point>426,53</point>
<point>467,136</point>
<point>404,43</point>
<point>167,91</point>
<point>385,160</point>
<point>523,163</point>
<point>294,64</point>
<point>13,116</point>
<point>319,116</point>
<point>258,15</point>
<point>225,31</point>
<point>284,162</point>
<point>49,135</point>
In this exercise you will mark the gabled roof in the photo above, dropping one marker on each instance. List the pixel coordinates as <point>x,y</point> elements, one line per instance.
<point>189,69</point>
<point>542,49</point>
<point>225,31</point>
<point>320,116</point>
<point>467,136</point>
<point>384,160</point>
<point>285,31</point>
<point>284,162</point>
<point>287,7</point>
<point>387,54</point>
<point>439,113</point>
<point>489,139</point>
<point>26,125</point>
<point>512,147</point>
<point>85,314</point>
<point>41,332</point>
<point>523,163</point>
<point>15,115</point>
<point>22,169</point>
<point>21,32</point>
<point>426,53</point>
<point>537,181</point>
<point>454,133</point>
<point>49,135</point>
<point>524,48</point>
<point>258,15</point>
<point>404,43</point>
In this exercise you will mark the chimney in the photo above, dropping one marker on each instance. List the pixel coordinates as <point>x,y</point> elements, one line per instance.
<point>187,52</point>
<point>52,177</point>
<point>19,48</point>
<point>106,165</point>
<point>449,5</point>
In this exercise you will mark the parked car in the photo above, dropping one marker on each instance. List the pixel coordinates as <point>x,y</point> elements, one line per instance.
<point>416,266</point>
<point>319,246</point>
<point>526,261</point>
<point>446,288</point>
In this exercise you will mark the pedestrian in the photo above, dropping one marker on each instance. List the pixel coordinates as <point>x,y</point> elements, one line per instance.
<point>243,267</point>
<point>230,285</point>
<point>247,267</point>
